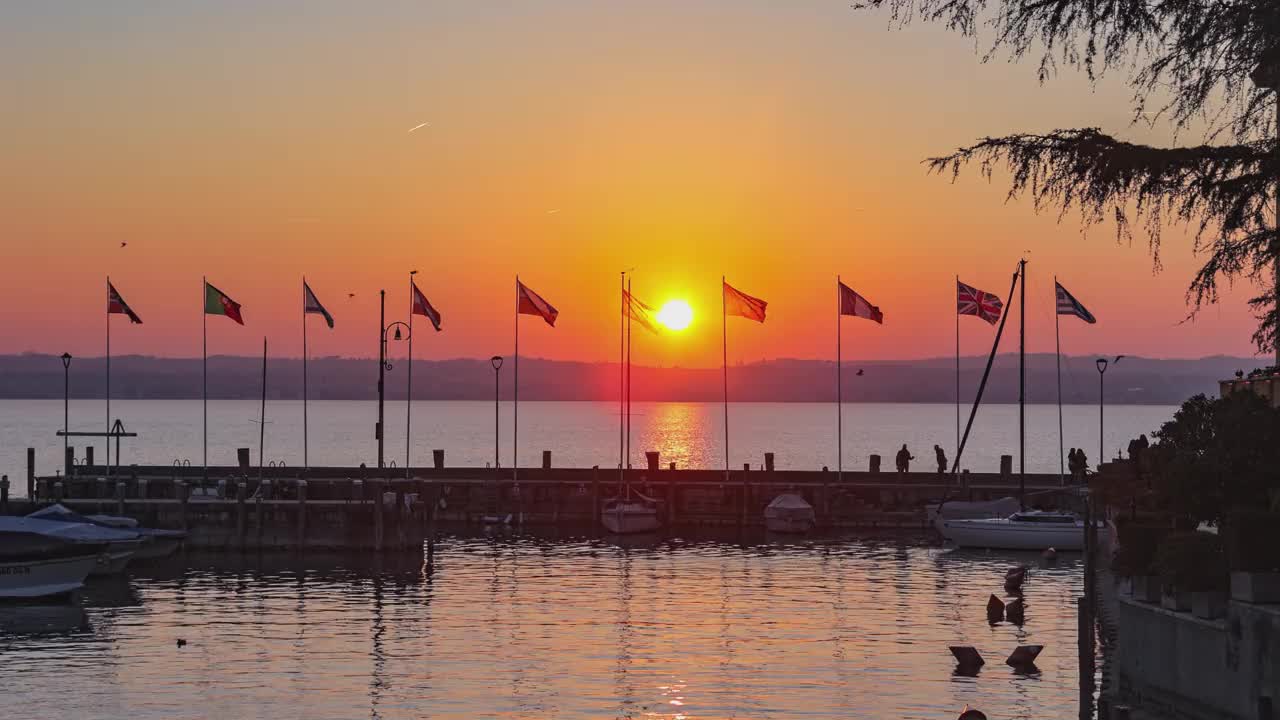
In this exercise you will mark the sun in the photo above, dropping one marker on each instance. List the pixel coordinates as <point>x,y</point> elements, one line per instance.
<point>675,315</point>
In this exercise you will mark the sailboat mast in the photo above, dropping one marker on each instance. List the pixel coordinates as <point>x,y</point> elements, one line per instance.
<point>1022,382</point>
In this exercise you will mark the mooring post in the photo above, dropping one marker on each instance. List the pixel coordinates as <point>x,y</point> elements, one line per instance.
<point>746,491</point>
<point>258,515</point>
<point>241,491</point>
<point>58,489</point>
<point>121,490</point>
<point>69,461</point>
<point>88,455</point>
<point>181,487</point>
<point>31,473</point>
<point>301,528</point>
<point>4,494</point>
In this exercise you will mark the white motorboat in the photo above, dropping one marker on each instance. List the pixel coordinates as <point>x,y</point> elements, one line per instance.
<point>62,522</point>
<point>789,513</point>
<point>936,513</point>
<point>1032,530</point>
<point>157,542</point>
<point>34,564</point>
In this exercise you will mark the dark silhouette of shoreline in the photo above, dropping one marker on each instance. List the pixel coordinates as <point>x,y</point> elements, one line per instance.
<point>1134,381</point>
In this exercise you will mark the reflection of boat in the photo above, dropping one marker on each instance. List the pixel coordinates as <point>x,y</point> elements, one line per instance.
<point>121,544</point>
<point>789,513</point>
<point>936,513</point>
<point>35,563</point>
<point>1032,530</point>
<point>634,512</point>
<point>43,619</point>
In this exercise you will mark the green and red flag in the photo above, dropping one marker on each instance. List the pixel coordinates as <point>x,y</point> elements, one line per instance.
<point>216,302</point>
<point>117,305</point>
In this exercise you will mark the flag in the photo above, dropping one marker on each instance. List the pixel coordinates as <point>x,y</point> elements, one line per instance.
<point>972,301</point>
<point>116,304</point>
<point>737,302</point>
<point>529,302</point>
<point>310,304</point>
<point>851,303</point>
<point>1068,305</point>
<point>422,307</point>
<point>217,303</point>
<point>639,311</point>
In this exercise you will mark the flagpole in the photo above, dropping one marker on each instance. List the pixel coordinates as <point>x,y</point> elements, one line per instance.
<point>1057,342</point>
<point>957,371</point>
<point>982,384</point>
<point>622,374</point>
<point>839,394</point>
<point>1022,383</point>
<point>724,346</point>
<point>262,421</point>
<point>204,372</point>
<point>627,462</point>
<point>107,440</point>
<point>408,399</point>
<point>515,397</point>
<point>306,465</point>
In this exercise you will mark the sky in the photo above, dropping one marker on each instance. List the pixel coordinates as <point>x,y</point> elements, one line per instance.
<point>775,144</point>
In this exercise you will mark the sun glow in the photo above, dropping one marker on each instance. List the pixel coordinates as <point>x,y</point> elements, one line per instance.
<point>675,315</point>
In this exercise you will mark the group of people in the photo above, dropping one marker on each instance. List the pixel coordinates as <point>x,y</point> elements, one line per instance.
<point>904,458</point>
<point>1077,464</point>
<point>1077,461</point>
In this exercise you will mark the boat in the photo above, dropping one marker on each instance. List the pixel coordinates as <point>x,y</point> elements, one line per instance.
<point>633,512</point>
<point>121,544</point>
<point>37,564</point>
<point>936,513</point>
<point>789,513</point>
<point>157,542</point>
<point>1031,530</point>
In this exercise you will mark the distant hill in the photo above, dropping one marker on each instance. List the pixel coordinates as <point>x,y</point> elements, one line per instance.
<point>1134,380</point>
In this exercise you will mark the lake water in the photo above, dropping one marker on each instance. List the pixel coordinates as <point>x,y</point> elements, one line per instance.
<point>579,434</point>
<point>520,627</point>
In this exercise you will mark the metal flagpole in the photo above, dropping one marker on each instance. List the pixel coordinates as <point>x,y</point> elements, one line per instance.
<point>1057,343</point>
<point>262,421</point>
<point>1022,382</point>
<point>622,374</point>
<point>204,371</point>
<point>627,462</point>
<point>839,393</point>
<point>724,346</point>
<point>107,440</point>
<point>515,397</point>
<point>408,397</point>
<point>982,385</point>
<point>957,370</point>
<point>306,465</point>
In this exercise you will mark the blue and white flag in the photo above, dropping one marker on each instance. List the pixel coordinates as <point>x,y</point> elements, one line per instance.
<point>1069,305</point>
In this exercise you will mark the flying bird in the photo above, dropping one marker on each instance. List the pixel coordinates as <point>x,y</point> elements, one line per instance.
<point>859,373</point>
<point>419,126</point>
<point>122,244</point>
<point>350,295</point>
<point>1119,358</point>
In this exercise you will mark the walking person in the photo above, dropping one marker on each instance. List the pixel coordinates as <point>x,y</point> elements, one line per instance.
<point>904,459</point>
<point>942,459</point>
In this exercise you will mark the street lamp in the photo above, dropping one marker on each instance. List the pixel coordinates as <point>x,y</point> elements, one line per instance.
<point>496,362</point>
<point>66,405</point>
<point>384,365</point>
<point>1102,364</point>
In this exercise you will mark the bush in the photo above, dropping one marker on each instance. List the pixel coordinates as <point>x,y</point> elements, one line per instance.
<point>1192,562</point>
<point>1253,540</point>
<point>1138,545</point>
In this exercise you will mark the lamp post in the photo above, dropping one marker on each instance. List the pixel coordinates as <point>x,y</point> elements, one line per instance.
<point>384,365</point>
<point>496,362</point>
<point>66,404</point>
<point>1102,364</point>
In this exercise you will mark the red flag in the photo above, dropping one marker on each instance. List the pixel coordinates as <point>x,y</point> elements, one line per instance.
<point>972,301</point>
<point>529,302</point>
<point>737,302</point>
<point>422,307</point>
<point>851,303</point>
<point>116,304</point>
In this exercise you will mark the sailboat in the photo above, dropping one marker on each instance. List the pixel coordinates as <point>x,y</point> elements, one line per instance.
<point>632,511</point>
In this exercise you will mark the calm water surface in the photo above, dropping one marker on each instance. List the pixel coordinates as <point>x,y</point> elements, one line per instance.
<point>579,434</point>
<point>528,628</point>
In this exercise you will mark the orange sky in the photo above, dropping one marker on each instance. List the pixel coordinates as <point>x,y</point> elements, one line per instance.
<point>778,144</point>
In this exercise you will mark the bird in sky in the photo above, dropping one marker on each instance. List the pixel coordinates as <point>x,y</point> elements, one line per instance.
<point>859,373</point>
<point>122,244</point>
<point>350,295</point>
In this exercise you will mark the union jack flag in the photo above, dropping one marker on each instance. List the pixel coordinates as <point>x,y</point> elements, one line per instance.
<point>972,301</point>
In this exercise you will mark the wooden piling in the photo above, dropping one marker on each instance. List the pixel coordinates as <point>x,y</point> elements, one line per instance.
<point>88,455</point>
<point>301,529</point>
<point>31,473</point>
<point>241,492</point>
<point>121,490</point>
<point>4,494</point>
<point>69,461</point>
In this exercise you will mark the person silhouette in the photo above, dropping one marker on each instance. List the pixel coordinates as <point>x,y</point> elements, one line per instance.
<point>904,459</point>
<point>942,459</point>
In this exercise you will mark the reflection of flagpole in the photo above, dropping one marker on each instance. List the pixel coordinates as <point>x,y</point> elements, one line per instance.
<point>1057,342</point>
<point>839,392</point>
<point>107,440</point>
<point>724,345</point>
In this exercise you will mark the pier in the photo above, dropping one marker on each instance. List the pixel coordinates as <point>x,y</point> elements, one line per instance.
<point>361,508</point>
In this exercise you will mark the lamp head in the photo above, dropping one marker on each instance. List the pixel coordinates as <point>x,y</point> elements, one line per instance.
<point>1102,365</point>
<point>66,360</point>
<point>397,335</point>
<point>496,362</point>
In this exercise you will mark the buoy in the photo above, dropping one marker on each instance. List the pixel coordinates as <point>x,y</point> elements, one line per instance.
<point>1024,655</point>
<point>970,714</point>
<point>1049,557</point>
<point>1014,578</point>
<point>995,609</point>
<point>967,656</point>
<point>1015,611</point>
